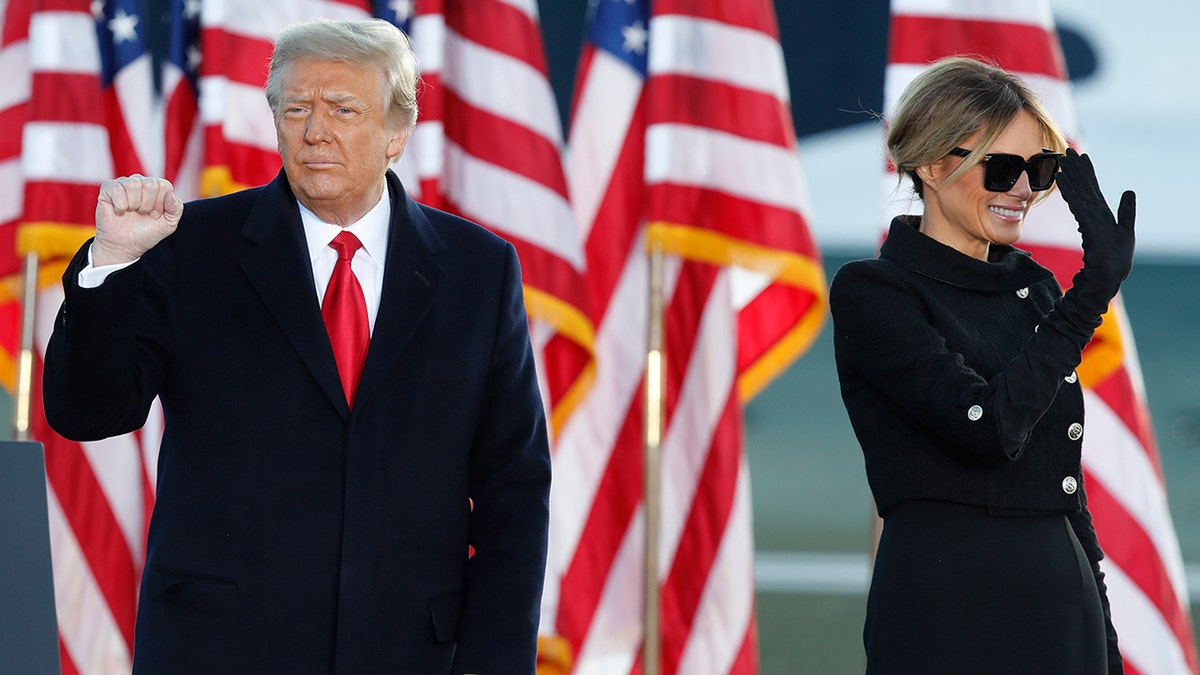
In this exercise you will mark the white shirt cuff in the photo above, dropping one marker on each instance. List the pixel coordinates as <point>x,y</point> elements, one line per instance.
<point>92,277</point>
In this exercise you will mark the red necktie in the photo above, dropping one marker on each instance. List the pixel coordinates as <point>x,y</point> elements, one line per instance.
<point>345,312</point>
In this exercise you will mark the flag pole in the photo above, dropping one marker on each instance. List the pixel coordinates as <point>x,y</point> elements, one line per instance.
<point>22,399</point>
<point>656,369</point>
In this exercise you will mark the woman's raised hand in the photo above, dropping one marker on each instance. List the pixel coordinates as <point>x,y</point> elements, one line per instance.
<point>1107,241</point>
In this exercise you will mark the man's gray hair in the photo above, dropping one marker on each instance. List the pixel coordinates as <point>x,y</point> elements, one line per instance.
<point>371,43</point>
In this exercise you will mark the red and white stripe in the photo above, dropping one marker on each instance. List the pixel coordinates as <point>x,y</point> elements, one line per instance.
<point>1126,491</point>
<point>14,106</point>
<point>646,160</point>
<point>488,146</point>
<point>14,103</point>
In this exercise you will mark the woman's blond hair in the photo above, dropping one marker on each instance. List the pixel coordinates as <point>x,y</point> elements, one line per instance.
<point>952,100</point>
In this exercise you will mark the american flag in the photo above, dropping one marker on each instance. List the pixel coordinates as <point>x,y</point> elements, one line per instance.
<point>1126,493</point>
<point>90,114</point>
<point>14,107</point>
<point>489,147</point>
<point>681,134</point>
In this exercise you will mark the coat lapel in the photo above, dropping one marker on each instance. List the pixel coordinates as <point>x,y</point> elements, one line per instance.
<point>278,268</point>
<point>412,280</point>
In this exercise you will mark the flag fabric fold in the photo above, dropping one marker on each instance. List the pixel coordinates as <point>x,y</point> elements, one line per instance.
<point>1126,490</point>
<point>488,147</point>
<point>681,138</point>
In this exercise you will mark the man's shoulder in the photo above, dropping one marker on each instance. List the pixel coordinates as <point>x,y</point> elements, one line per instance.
<point>211,226</point>
<point>218,221</point>
<point>208,207</point>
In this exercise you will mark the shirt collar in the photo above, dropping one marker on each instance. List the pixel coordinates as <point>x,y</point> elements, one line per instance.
<point>371,229</point>
<point>1006,269</point>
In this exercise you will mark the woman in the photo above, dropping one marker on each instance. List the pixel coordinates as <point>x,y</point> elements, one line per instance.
<point>956,354</point>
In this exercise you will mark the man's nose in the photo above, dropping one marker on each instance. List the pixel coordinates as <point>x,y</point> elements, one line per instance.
<point>317,129</point>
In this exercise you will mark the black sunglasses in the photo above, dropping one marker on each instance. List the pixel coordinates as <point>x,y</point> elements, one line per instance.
<point>1001,171</point>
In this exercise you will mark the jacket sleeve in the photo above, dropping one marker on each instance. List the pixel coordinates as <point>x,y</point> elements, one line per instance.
<point>106,356</point>
<point>1081,523</point>
<point>884,335</point>
<point>509,485</point>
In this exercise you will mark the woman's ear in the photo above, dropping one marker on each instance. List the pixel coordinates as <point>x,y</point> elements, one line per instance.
<point>932,175</point>
<point>925,173</point>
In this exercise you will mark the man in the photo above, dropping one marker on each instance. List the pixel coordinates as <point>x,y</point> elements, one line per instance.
<point>311,518</point>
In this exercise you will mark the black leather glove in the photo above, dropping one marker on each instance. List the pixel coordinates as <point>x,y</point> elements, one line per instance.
<point>1107,242</point>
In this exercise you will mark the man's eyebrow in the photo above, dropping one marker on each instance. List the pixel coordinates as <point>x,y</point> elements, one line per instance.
<point>338,97</point>
<point>333,97</point>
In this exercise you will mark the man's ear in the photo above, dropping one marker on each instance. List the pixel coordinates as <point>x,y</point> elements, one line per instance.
<point>398,142</point>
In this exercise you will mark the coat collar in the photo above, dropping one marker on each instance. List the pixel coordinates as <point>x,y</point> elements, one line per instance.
<point>278,267</point>
<point>1007,268</point>
<point>412,280</point>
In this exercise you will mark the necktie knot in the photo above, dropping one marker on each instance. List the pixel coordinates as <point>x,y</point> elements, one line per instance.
<point>346,244</point>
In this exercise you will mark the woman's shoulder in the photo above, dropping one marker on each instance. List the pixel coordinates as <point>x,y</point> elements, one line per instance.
<point>868,271</point>
<point>860,285</point>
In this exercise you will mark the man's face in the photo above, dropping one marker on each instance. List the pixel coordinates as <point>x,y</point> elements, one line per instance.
<point>335,137</point>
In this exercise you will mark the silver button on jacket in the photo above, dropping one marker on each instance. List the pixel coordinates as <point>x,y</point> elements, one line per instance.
<point>1075,431</point>
<point>1070,485</point>
<point>974,413</point>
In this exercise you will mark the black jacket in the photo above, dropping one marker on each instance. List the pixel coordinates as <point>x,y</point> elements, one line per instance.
<point>958,378</point>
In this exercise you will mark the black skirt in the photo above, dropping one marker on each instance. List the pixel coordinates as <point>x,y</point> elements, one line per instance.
<point>958,590</point>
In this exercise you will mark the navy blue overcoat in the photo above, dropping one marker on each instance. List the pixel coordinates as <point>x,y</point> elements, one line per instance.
<point>290,533</point>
